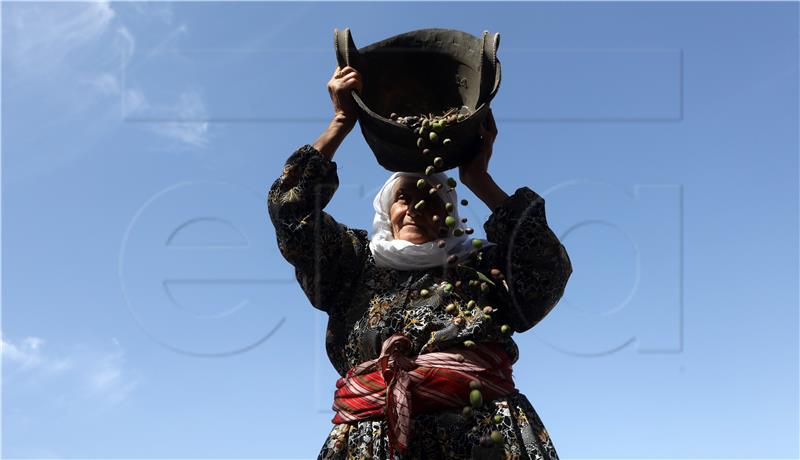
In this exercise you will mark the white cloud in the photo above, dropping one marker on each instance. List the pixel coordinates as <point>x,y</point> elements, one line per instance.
<point>98,374</point>
<point>41,35</point>
<point>193,132</point>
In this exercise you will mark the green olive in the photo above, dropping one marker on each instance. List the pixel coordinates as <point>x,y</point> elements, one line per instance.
<point>505,328</point>
<point>474,384</point>
<point>424,293</point>
<point>429,170</point>
<point>448,207</point>
<point>438,162</point>
<point>450,308</point>
<point>476,398</point>
<point>496,437</point>
<point>421,184</point>
<point>471,304</point>
<point>451,182</point>
<point>447,141</point>
<point>457,232</point>
<point>497,418</point>
<point>433,136</point>
<point>448,287</point>
<point>450,221</point>
<point>469,344</point>
<point>420,205</point>
<point>467,411</point>
<point>477,244</point>
<point>484,287</point>
<point>420,142</point>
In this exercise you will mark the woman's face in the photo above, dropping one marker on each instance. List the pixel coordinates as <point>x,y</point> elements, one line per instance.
<point>409,224</point>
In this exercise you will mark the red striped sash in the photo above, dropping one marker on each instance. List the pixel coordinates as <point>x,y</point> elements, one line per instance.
<point>429,382</point>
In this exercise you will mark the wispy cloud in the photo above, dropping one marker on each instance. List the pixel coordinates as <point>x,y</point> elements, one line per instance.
<point>44,34</point>
<point>98,374</point>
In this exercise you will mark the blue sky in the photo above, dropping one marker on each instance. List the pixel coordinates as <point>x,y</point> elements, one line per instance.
<point>147,313</point>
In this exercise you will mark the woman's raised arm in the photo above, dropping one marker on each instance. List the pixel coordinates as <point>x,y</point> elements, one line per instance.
<point>535,264</point>
<point>327,255</point>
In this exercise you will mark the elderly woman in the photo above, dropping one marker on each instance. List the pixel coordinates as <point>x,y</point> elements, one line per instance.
<point>420,320</point>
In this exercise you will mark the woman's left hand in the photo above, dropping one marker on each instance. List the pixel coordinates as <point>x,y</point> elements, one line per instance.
<point>477,169</point>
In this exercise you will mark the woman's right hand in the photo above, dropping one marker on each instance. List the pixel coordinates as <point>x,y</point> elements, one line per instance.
<point>340,86</point>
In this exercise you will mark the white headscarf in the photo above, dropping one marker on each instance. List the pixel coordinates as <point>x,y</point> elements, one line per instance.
<point>405,255</point>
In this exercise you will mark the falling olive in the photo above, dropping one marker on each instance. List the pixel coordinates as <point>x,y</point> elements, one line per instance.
<point>469,343</point>
<point>426,151</point>
<point>441,243</point>
<point>424,292</point>
<point>464,220</point>
<point>476,243</point>
<point>450,308</point>
<point>452,259</point>
<point>464,202</point>
<point>448,287</point>
<point>487,309</point>
<point>497,418</point>
<point>484,287</point>
<point>458,232</point>
<point>420,205</point>
<point>447,141</point>
<point>435,218</point>
<point>421,184</point>
<point>433,136</point>
<point>474,384</point>
<point>420,142</point>
<point>496,273</point>
<point>469,230</point>
<point>476,398</point>
<point>448,207</point>
<point>471,304</point>
<point>505,328</point>
<point>429,170</point>
<point>467,411</point>
<point>439,162</point>
<point>497,437</point>
<point>451,182</point>
<point>432,191</point>
<point>450,221</point>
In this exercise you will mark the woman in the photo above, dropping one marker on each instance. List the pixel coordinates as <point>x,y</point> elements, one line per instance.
<point>420,320</point>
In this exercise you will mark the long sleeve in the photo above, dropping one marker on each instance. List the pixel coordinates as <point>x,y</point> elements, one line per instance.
<point>535,264</point>
<point>327,255</point>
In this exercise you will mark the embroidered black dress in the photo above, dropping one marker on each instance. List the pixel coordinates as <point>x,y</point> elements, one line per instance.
<point>366,304</point>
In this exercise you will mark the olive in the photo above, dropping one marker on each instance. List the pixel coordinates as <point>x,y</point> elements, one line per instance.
<point>471,304</point>
<point>457,320</point>
<point>469,230</point>
<point>420,205</point>
<point>464,220</point>
<point>392,116</point>
<point>476,398</point>
<point>452,259</point>
<point>441,243</point>
<point>496,273</point>
<point>464,202</point>
<point>426,151</point>
<point>433,136</point>
<point>458,232</point>
<point>424,293</point>
<point>438,162</point>
<point>469,344</point>
<point>421,184</point>
<point>432,191</point>
<point>467,411</point>
<point>435,218</point>
<point>438,186</point>
<point>497,437</point>
<point>458,283</point>
<point>476,243</point>
<point>488,309</point>
<point>420,142</point>
<point>429,170</point>
<point>484,287</point>
<point>505,328</point>
<point>448,287</point>
<point>450,221</point>
<point>448,207</point>
<point>474,384</point>
<point>450,308</point>
<point>447,141</point>
<point>451,182</point>
<point>497,418</point>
